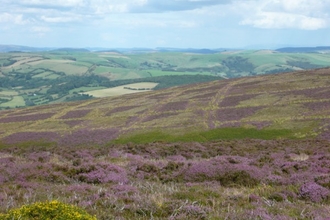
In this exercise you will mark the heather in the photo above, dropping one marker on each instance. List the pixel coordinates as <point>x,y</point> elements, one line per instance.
<point>249,148</point>
<point>223,179</point>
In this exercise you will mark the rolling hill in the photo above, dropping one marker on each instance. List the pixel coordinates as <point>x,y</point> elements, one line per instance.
<point>248,148</point>
<point>297,103</point>
<point>46,77</point>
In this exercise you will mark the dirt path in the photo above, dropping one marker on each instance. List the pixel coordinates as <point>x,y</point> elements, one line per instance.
<point>215,103</point>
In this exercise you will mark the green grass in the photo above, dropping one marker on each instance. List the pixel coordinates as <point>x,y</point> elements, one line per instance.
<point>16,101</point>
<point>204,136</point>
<point>156,73</point>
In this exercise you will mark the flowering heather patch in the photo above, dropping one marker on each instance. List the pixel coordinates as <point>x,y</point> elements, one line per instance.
<point>325,135</point>
<point>318,106</point>
<point>104,173</point>
<point>31,136</point>
<point>86,136</point>
<point>231,101</point>
<point>316,93</point>
<point>159,116</point>
<point>131,120</point>
<point>160,96</point>
<point>235,114</point>
<point>215,86</point>
<point>119,109</point>
<point>73,123</point>
<point>246,87</point>
<point>314,192</point>
<point>226,170</point>
<point>171,181</point>
<point>32,117</point>
<point>173,106</point>
<point>76,114</point>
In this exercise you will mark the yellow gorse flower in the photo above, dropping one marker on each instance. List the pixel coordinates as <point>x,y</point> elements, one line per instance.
<point>52,210</point>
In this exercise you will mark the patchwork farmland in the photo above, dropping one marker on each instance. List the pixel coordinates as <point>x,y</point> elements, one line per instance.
<point>38,78</point>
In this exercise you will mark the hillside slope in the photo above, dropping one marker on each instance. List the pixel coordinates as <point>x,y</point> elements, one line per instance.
<point>48,77</point>
<point>226,149</point>
<point>298,102</point>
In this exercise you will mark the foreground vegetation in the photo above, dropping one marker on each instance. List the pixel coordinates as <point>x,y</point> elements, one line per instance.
<point>47,210</point>
<point>233,179</point>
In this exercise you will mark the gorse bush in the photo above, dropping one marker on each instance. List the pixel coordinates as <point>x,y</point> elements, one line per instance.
<point>53,210</point>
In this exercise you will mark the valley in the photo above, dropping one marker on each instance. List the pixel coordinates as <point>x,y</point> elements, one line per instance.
<point>55,76</point>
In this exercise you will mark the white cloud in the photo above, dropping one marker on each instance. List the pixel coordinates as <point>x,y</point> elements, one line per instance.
<point>58,19</point>
<point>12,18</point>
<point>40,30</point>
<point>285,20</point>
<point>51,3</point>
<point>297,14</point>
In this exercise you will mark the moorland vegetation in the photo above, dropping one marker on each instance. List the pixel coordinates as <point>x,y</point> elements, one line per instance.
<point>247,148</point>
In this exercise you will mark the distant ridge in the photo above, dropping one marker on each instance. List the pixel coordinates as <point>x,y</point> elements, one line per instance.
<point>20,48</point>
<point>72,49</point>
<point>319,49</point>
<point>15,48</point>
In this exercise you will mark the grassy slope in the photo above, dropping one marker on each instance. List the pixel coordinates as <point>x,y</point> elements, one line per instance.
<point>297,101</point>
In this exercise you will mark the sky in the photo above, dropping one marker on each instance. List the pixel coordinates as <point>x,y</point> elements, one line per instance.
<point>209,24</point>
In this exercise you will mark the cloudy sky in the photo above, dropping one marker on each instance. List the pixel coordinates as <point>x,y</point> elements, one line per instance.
<point>165,23</point>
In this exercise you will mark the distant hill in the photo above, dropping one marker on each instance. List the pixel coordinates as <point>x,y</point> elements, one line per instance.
<point>60,75</point>
<point>304,50</point>
<point>15,48</point>
<point>75,50</point>
<point>19,48</point>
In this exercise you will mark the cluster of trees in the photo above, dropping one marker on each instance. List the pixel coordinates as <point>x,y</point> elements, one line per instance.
<point>78,97</point>
<point>238,64</point>
<point>303,64</point>
<point>158,65</point>
<point>67,83</point>
<point>164,81</point>
<point>8,62</point>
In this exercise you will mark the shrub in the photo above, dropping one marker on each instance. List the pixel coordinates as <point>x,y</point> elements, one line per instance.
<point>237,178</point>
<point>314,192</point>
<point>47,210</point>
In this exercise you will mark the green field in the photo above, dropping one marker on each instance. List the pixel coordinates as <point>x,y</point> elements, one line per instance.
<point>122,90</point>
<point>16,101</point>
